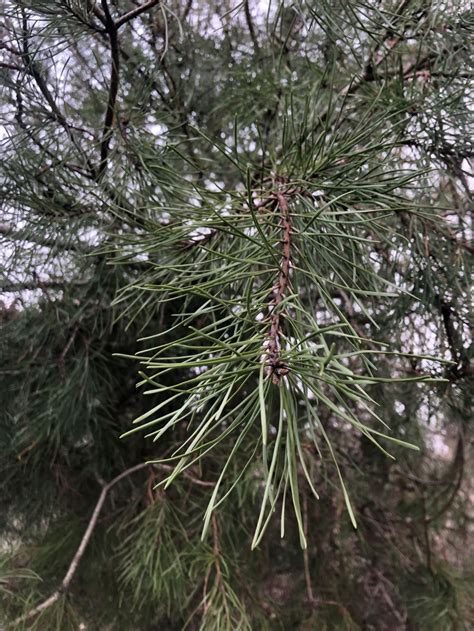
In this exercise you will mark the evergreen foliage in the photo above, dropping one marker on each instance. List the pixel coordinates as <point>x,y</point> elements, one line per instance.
<point>236,367</point>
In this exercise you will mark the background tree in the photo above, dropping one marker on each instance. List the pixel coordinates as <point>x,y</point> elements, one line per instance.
<point>272,198</point>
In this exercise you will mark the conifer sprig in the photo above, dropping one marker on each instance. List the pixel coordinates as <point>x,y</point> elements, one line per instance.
<point>247,274</point>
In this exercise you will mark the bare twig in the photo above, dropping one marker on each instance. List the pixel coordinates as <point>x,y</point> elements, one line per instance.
<point>307,573</point>
<point>187,9</point>
<point>69,343</point>
<point>426,534</point>
<point>134,13</point>
<point>97,12</point>
<point>32,69</point>
<point>253,34</point>
<point>187,474</point>
<point>8,66</point>
<point>112,28</point>
<point>388,599</point>
<point>459,465</point>
<point>107,132</point>
<point>13,288</point>
<point>446,313</point>
<point>72,569</point>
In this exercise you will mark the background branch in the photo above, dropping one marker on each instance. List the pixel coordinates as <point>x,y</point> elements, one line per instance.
<point>123,19</point>
<point>73,566</point>
<point>107,132</point>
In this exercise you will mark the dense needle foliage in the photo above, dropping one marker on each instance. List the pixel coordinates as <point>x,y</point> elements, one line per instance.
<point>236,379</point>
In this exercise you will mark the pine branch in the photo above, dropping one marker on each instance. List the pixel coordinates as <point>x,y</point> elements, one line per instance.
<point>187,9</point>
<point>107,132</point>
<point>7,231</point>
<point>32,69</point>
<point>112,27</point>
<point>123,19</point>
<point>276,369</point>
<point>13,288</point>
<point>73,566</point>
<point>458,468</point>
<point>251,27</point>
<point>258,294</point>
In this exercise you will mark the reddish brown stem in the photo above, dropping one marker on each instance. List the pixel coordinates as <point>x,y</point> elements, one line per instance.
<point>276,369</point>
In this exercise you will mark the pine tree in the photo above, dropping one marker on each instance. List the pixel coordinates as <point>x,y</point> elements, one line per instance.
<point>236,380</point>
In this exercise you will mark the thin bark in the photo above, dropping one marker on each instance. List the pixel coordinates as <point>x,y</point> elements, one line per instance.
<point>276,369</point>
<point>134,13</point>
<point>307,572</point>
<point>113,89</point>
<point>251,27</point>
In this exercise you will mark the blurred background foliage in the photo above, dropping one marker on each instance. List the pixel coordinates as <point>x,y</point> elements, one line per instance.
<point>157,159</point>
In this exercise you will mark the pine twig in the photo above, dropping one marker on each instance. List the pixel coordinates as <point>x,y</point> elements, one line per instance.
<point>24,235</point>
<point>32,69</point>
<point>276,369</point>
<point>251,27</point>
<point>307,572</point>
<point>134,13</point>
<point>73,566</point>
<point>107,132</point>
<point>112,27</point>
<point>459,465</point>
